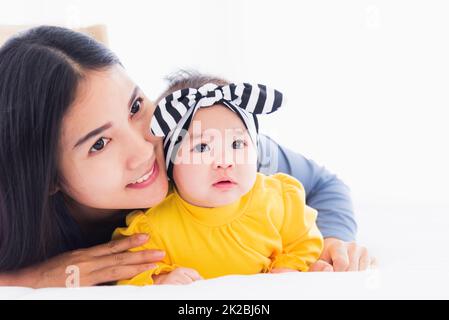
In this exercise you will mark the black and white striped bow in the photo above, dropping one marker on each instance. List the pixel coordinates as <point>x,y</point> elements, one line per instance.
<point>175,112</point>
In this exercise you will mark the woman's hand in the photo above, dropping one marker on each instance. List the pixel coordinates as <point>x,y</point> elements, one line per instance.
<point>339,255</point>
<point>87,267</point>
<point>178,276</point>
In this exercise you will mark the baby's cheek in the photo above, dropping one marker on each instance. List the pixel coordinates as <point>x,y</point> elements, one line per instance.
<point>248,175</point>
<point>189,178</point>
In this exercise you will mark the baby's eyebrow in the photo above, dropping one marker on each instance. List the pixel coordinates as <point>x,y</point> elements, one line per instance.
<point>204,133</point>
<point>195,136</point>
<point>240,129</point>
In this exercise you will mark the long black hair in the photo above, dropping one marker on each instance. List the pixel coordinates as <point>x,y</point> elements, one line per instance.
<point>40,70</point>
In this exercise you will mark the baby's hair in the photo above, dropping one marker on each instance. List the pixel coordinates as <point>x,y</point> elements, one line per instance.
<point>189,79</point>
<point>182,79</point>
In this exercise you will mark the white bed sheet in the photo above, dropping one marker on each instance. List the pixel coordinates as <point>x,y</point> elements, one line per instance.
<point>410,243</point>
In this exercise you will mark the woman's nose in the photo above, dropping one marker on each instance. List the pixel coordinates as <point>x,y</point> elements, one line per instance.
<point>141,152</point>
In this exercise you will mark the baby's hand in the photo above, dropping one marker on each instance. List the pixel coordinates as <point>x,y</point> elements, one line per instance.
<point>177,276</point>
<point>282,270</point>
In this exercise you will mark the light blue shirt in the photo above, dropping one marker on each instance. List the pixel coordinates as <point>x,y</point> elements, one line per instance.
<point>324,191</point>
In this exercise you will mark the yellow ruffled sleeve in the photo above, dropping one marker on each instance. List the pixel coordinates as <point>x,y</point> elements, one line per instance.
<point>140,222</point>
<point>302,241</point>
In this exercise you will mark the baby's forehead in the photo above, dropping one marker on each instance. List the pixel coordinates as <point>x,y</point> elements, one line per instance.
<point>197,131</point>
<point>218,116</point>
<point>217,119</point>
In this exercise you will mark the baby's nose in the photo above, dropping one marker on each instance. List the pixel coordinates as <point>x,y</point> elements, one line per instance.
<point>223,164</point>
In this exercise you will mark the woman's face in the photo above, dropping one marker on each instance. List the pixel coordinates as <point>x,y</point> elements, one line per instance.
<point>106,145</point>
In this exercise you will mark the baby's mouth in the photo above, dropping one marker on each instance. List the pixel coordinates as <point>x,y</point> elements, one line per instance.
<point>224,184</point>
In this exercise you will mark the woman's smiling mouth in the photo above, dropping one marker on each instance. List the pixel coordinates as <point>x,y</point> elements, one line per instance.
<point>146,179</point>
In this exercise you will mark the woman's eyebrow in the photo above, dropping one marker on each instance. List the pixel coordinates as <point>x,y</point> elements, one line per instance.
<point>107,125</point>
<point>133,96</point>
<point>93,133</point>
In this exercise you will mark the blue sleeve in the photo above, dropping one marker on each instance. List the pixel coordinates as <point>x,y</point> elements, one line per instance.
<point>324,191</point>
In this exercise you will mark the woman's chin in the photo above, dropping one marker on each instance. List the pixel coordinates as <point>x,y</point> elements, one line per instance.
<point>152,198</point>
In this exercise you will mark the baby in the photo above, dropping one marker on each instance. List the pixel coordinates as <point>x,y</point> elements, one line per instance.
<point>221,216</point>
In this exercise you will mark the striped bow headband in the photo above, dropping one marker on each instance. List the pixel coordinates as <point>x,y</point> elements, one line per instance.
<point>174,113</point>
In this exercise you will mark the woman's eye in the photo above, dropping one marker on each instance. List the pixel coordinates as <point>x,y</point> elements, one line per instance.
<point>202,147</point>
<point>136,106</point>
<point>99,145</point>
<point>238,144</point>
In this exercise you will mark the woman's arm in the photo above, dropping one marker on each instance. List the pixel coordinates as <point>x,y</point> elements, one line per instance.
<point>9,279</point>
<point>324,191</point>
<point>329,196</point>
<point>87,267</point>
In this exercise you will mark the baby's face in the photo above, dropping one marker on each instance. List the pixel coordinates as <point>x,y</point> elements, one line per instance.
<point>217,161</point>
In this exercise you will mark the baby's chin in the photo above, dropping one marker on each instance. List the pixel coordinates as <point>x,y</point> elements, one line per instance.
<point>217,204</point>
<point>224,199</point>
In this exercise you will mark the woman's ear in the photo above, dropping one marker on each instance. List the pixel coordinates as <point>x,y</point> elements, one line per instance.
<point>54,190</point>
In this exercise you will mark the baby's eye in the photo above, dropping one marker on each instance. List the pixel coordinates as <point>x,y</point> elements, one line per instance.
<point>202,147</point>
<point>136,106</point>
<point>238,144</point>
<point>99,145</point>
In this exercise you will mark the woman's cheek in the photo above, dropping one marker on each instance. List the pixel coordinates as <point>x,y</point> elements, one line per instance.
<point>102,178</point>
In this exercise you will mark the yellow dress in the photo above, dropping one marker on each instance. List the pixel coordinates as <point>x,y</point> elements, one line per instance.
<point>269,227</point>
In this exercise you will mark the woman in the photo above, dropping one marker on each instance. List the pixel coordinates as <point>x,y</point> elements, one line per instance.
<point>74,142</point>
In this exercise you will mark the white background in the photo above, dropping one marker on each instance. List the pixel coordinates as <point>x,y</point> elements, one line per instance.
<point>366,86</point>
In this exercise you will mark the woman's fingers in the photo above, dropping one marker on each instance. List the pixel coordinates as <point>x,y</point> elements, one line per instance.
<point>354,254</point>
<point>339,256</point>
<point>127,258</point>
<point>346,256</point>
<point>112,261</point>
<point>91,266</point>
<point>117,246</point>
<point>117,273</point>
<point>364,262</point>
<point>373,263</point>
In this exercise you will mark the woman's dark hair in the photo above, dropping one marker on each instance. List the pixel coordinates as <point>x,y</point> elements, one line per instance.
<point>40,70</point>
